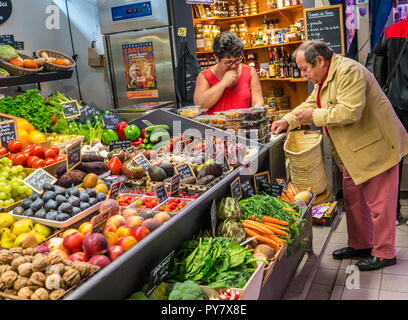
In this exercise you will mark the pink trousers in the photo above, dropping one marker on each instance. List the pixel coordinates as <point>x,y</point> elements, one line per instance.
<point>371,212</point>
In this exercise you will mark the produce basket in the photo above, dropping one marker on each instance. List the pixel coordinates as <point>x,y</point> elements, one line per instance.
<point>56,54</point>
<point>269,268</point>
<point>305,156</point>
<point>62,145</point>
<point>18,71</point>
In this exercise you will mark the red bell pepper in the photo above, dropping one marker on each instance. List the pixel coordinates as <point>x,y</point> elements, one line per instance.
<point>120,129</point>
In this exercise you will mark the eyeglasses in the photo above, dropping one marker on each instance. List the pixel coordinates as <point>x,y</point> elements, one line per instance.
<point>230,63</point>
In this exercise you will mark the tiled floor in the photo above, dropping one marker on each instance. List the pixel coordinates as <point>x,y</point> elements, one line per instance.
<point>341,280</point>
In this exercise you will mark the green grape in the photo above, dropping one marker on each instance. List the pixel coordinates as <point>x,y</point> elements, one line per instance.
<point>21,190</point>
<point>13,170</point>
<point>4,161</point>
<point>20,168</point>
<point>2,203</point>
<point>14,193</point>
<point>29,192</point>
<point>7,189</point>
<point>8,202</point>
<point>3,185</point>
<point>4,174</point>
<point>2,179</point>
<point>22,175</point>
<point>6,169</point>
<point>2,196</point>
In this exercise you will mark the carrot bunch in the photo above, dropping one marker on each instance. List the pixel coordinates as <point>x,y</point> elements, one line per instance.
<point>290,193</point>
<point>268,231</point>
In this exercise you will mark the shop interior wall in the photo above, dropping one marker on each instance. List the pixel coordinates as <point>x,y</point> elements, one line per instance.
<point>28,23</point>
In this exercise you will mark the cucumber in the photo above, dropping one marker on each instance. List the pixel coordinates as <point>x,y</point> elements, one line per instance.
<point>159,135</point>
<point>159,126</point>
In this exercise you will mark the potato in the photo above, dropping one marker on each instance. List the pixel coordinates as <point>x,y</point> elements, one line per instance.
<point>264,250</point>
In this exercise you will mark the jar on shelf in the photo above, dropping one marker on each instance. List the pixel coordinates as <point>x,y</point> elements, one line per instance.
<point>287,3</point>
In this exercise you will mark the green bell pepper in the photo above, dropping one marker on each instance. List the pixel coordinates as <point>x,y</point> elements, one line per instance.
<point>132,132</point>
<point>109,135</point>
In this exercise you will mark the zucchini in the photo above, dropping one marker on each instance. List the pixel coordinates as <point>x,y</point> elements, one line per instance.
<point>159,126</point>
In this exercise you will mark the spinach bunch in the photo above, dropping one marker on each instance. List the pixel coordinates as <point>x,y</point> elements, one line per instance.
<point>217,262</point>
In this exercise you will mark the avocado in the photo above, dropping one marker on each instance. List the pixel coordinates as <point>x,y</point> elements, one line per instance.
<point>41,214</point>
<point>52,215</point>
<point>26,203</point>
<point>74,201</point>
<point>65,208</point>
<point>215,169</point>
<point>156,173</point>
<point>62,217</point>
<point>100,196</point>
<point>188,180</point>
<point>205,180</point>
<point>146,213</point>
<point>168,168</point>
<point>48,195</point>
<point>19,211</point>
<point>37,205</point>
<point>51,205</point>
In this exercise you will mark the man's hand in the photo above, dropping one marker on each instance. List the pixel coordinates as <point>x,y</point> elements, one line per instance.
<point>278,126</point>
<point>230,77</point>
<point>305,117</point>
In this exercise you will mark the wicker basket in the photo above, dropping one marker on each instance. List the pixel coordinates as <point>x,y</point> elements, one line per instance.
<point>55,54</point>
<point>18,71</point>
<point>306,166</point>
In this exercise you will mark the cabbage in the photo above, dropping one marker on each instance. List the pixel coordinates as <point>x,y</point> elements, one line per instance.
<point>8,52</point>
<point>4,73</point>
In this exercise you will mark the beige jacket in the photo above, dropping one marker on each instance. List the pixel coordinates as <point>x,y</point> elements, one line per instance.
<point>365,132</point>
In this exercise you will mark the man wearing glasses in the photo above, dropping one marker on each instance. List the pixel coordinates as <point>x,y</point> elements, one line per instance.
<point>229,84</point>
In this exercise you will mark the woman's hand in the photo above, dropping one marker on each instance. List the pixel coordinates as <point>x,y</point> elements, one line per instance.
<point>278,126</point>
<point>229,78</point>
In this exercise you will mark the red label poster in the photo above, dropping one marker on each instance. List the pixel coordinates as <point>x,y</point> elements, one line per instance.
<point>139,70</point>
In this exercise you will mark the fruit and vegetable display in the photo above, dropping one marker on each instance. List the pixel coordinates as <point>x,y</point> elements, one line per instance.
<point>11,55</point>
<point>58,61</point>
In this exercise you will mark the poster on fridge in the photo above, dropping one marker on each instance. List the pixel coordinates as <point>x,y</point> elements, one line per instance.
<point>139,70</point>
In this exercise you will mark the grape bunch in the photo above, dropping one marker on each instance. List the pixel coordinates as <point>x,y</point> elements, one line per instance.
<point>12,188</point>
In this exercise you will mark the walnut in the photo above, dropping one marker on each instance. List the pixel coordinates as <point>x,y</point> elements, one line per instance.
<point>11,291</point>
<point>59,268</point>
<point>8,278</point>
<point>25,293</point>
<point>67,262</point>
<point>39,263</point>
<point>29,258</point>
<point>40,294</point>
<point>5,257</point>
<point>54,259</point>
<point>57,294</point>
<point>83,268</point>
<point>25,269</point>
<point>21,282</point>
<point>5,267</point>
<point>30,252</point>
<point>19,251</point>
<point>71,278</point>
<point>54,281</point>
<point>38,279</point>
<point>17,261</point>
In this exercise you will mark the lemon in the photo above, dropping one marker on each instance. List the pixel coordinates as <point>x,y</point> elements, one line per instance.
<point>23,135</point>
<point>25,125</point>
<point>37,137</point>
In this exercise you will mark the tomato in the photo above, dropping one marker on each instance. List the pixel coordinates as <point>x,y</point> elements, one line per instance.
<point>20,159</point>
<point>49,161</point>
<point>59,158</point>
<point>15,146</point>
<point>39,163</point>
<point>11,156</point>
<point>115,166</point>
<point>49,153</point>
<point>31,160</point>
<point>55,148</point>
<point>3,151</point>
<point>37,150</point>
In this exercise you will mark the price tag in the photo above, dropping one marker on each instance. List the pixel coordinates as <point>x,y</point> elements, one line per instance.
<point>88,111</point>
<point>8,132</point>
<point>276,190</point>
<point>282,183</point>
<point>147,123</point>
<point>175,185</point>
<point>38,179</point>
<point>131,151</point>
<point>247,189</point>
<point>6,117</point>
<point>161,192</point>
<point>185,170</point>
<point>259,177</point>
<point>225,164</point>
<point>74,156</point>
<point>98,221</point>
<point>213,217</point>
<point>182,32</point>
<point>236,190</point>
<point>114,190</point>
<point>160,273</point>
<point>71,109</point>
<point>120,144</point>
<point>142,161</point>
<point>111,120</point>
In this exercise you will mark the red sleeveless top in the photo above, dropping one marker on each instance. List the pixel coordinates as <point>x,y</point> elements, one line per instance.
<point>236,97</point>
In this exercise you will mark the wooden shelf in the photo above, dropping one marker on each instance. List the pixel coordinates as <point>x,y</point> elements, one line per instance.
<point>284,9</point>
<point>262,47</point>
<point>284,79</point>
<point>35,78</point>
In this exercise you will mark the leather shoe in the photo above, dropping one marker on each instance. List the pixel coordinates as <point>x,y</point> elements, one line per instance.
<point>348,253</point>
<point>374,263</point>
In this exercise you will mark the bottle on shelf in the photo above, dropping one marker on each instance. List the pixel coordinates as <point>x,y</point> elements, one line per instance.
<point>276,62</point>
<point>289,66</point>
<point>271,64</point>
<point>282,67</point>
<point>265,32</point>
<point>296,71</point>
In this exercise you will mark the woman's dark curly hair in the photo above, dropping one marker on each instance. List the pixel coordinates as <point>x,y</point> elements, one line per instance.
<point>227,44</point>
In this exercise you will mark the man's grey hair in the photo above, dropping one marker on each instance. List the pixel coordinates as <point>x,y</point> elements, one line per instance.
<point>313,49</point>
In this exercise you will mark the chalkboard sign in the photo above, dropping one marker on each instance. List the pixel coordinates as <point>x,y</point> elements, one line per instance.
<point>73,152</point>
<point>236,191</point>
<point>161,192</point>
<point>224,161</point>
<point>326,24</point>
<point>120,144</point>
<point>274,190</point>
<point>114,190</point>
<point>213,213</point>
<point>160,273</point>
<point>131,151</point>
<point>142,161</point>
<point>185,170</point>
<point>6,117</point>
<point>111,120</point>
<point>259,177</point>
<point>98,221</point>
<point>8,132</point>
<point>18,45</point>
<point>5,10</point>
<point>247,190</point>
<point>38,179</point>
<point>175,185</point>
<point>88,111</point>
<point>71,109</point>
<point>7,39</point>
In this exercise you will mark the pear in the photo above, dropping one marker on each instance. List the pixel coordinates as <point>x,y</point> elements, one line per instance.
<point>38,236</point>
<point>25,240</point>
<point>7,238</point>
<point>22,226</point>
<point>6,220</point>
<point>41,229</point>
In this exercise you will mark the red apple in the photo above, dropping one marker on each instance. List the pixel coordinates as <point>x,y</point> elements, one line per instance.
<point>55,244</point>
<point>73,242</point>
<point>134,221</point>
<point>124,231</point>
<point>95,244</point>
<point>111,237</point>
<point>129,212</point>
<point>68,232</point>
<point>78,256</point>
<point>116,220</point>
<point>126,242</point>
<point>114,252</point>
<point>62,253</point>
<point>140,232</point>
<point>42,249</point>
<point>162,217</point>
<point>99,260</point>
<point>110,228</point>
